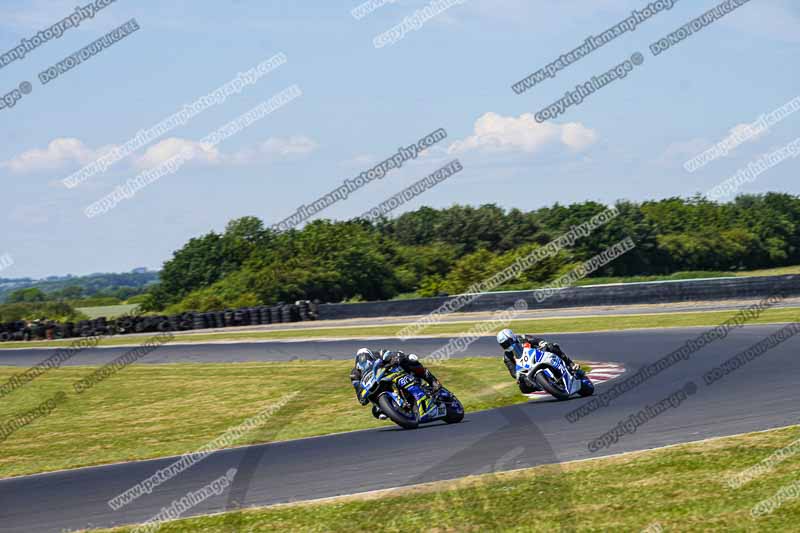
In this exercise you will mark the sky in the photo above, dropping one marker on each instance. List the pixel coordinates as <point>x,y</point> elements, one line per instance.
<point>359,102</point>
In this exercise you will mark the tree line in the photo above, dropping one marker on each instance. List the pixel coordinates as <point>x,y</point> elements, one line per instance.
<point>434,251</point>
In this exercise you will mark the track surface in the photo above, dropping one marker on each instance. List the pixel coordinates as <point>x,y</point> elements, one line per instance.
<point>759,396</point>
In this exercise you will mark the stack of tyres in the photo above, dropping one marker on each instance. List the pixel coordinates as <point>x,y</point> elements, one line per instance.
<point>38,331</point>
<point>100,326</point>
<point>199,321</point>
<point>85,328</point>
<point>253,316</point>
<point>125,325</point>
<point>240,317</point>
<point>275,313</point>
<point>229,318</point>
<point>266,315</point>
<point>165,324</point>
<point>147,324</point>
<point>286,313</point>
<point>187,321</point>
<point>302,310</point>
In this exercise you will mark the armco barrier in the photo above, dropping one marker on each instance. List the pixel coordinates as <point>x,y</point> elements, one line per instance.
<point>594,295</point>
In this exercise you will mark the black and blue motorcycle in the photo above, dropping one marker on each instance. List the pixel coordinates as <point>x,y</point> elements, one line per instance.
<point>404,400</point>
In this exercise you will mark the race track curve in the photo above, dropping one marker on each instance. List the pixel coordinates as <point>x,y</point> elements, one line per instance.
<point>759,396</point>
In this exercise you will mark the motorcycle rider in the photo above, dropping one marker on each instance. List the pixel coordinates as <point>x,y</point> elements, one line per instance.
<point>513,345</point>
<point>367,359</point>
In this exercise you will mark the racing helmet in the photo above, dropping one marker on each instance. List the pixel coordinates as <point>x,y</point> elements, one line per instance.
<point>365,358</point>
<point>388,355</point>
<point>509,342</point>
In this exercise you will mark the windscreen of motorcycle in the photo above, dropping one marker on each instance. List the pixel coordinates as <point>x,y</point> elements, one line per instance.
<point>526,357</point>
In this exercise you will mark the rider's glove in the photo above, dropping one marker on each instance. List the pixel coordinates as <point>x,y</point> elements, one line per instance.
<point>436,386</point>
<point>545,346</point>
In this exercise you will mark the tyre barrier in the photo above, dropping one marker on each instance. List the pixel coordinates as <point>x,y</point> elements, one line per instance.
<point>275,313</point>
<point>246,316</point>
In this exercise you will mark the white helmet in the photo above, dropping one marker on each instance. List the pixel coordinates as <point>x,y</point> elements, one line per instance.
<point>509,342</point>
<point>365,357</point>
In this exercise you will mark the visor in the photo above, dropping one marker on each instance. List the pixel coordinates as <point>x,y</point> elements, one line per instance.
<point>506,344</point>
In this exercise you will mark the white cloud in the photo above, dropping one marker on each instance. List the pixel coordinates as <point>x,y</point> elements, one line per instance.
<point>685,150</point>
<point>63,153</point>
<point>59,153</point>
<point>168,148</point>
<point>577,136</point>
<point>276,148</point>
<point>496,133</point>
<point>291,145</point>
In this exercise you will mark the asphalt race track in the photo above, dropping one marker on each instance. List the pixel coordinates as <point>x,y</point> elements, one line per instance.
<point>761,395</point>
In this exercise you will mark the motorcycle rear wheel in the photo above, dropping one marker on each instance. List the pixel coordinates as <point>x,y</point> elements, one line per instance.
<point>395,414</point>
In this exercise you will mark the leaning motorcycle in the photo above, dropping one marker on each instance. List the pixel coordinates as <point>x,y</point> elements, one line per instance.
<point>546,371</point>
<point>405,401</point>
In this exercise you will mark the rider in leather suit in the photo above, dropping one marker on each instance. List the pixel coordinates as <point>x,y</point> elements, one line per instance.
<point>366,358</point>
<point>508,341</point>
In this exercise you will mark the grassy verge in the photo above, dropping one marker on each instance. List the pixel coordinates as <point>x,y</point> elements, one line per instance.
<point>779,271</point>
<point>543,325</point>
<point>147,411</point>
<point>676,276</point>
<point>680,488</point>
<point>108,311</point>
<point>699,274</point>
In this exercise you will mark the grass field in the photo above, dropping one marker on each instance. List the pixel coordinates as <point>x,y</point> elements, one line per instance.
<point>679,488</point>
<point>147,411</point>
<point>692,274</point>
<point>699,274</point>
<point>540,325</point>
<point>108,311</point>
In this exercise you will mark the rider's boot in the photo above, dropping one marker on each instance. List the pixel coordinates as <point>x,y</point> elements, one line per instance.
<point>377,413</point>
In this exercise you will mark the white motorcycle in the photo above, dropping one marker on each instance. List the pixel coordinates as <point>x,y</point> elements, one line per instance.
<point>546,371</point>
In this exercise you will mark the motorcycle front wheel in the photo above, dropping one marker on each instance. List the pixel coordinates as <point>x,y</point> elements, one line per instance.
<point>395,414</point>
<point>552,388</point>
<point>455,411</point>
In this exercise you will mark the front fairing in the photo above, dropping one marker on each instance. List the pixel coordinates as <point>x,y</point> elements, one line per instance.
<point>533,356</point>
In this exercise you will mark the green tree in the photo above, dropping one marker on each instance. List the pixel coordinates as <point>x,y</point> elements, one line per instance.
<point>28,295</point>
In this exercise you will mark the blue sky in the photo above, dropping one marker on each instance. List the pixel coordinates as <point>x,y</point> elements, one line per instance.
<point>359,104</point>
